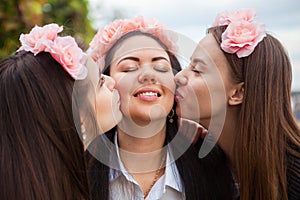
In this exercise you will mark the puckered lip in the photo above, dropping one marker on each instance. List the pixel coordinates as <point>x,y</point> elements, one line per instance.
<point>178,96</point>
<point>147,91</point>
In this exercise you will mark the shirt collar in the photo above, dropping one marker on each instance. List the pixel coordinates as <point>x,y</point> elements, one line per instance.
<point>173,179</point>
<point>172,176</point>
<point>115,173</point>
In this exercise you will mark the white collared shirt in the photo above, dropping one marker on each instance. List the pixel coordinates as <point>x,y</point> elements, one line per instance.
<point>123,186</point>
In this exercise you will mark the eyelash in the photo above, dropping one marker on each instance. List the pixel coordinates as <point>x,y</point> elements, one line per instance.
<point>195,70</point>
<point>130,69</point>
<point>159,69</point>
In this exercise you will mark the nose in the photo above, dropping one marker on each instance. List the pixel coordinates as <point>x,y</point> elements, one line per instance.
<point>147,76</point>
<point>180,78</point>
<point>109,82</point>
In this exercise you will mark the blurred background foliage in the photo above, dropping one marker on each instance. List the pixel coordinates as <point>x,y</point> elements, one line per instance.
<point>19,16</point>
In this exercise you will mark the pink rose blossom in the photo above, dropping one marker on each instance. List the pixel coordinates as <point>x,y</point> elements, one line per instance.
<point>109,35</point>
<point>66,51</point>
<point>225,18</point>
<point>243,14</point>
<point>103,38</point>
<point>242,37</point>
<point>63,49</point>
<point>222,19</point>
<point>39,38</point>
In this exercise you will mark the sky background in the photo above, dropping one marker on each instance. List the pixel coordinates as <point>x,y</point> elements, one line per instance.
<point>191,18</point>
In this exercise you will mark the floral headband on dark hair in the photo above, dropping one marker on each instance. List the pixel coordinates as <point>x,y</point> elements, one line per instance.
<point>63,49</point>
<point>242,33</point>
<point>106,37</point>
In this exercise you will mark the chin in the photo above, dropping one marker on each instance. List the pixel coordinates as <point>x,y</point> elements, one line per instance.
<point>178,111</point>
<point>183,114</point>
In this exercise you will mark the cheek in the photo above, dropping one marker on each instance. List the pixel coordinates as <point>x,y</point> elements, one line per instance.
<point>169,87</point>
<point>212,100</point>
<point>104,102</point>
<point>124,85</point>
<point>202,95</point>
<point>169,100</point>
<point>167,82</point>
<point>107,110</point>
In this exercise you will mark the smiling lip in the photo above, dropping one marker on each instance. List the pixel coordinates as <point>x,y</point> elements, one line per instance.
<point>147,94</point>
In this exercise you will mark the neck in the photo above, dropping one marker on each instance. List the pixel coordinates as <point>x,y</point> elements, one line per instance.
<point>141,139</point>
<point>140,148</point>
<point>227,137</point>
<point>224,131</point>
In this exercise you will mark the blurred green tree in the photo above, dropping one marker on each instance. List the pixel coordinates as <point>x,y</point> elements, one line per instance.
<point>19,16</point>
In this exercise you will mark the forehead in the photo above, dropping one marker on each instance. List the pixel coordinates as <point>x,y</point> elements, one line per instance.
<point>139,44</point>
<point>207,47</point>
<point>209,50</point>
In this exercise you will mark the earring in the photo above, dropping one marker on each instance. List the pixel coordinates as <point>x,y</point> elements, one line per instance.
<point>171,115</point>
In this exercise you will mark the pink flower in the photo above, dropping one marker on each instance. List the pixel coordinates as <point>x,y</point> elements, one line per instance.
<point>66,51</point>
<point>109,35</point>
<point>242,37</point>
<point>63,49</point>
<point>104,38</point>
<point>39,38</point>
<point>225,18</point>
<point>222,19</point>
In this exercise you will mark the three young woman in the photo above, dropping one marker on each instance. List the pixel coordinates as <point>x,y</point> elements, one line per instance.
<point>242,86</point>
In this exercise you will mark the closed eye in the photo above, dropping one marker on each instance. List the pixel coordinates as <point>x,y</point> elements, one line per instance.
<point>198,65</point>
<point>196,71</point>
<point>128,64</point>
<point>130,69</point>
<point>162,68</point>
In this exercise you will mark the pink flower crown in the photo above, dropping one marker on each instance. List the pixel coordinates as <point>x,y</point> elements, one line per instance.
<point>63,49</point>
<point>242,33</point>
<point>106,37</point>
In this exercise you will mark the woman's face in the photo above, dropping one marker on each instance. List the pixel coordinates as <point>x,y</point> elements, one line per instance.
<point>204,85</point>
<point>144,79</point>
<point>104,99</point>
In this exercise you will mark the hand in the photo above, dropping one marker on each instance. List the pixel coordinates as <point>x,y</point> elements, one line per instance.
<point>191,130</point>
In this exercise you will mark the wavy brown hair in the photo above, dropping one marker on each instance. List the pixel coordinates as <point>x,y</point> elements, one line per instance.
<point>41,152</point>
<point>268,135</point>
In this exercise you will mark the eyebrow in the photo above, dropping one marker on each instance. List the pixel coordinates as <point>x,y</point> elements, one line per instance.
<point>159,58</point>
<point>198,60</point>
<point>129,58</point>
<point>137,59</point>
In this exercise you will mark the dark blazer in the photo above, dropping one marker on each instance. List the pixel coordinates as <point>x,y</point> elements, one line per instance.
<point>293,179</point>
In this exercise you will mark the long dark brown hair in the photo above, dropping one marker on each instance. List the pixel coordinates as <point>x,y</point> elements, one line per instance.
<point>267,143</point>
<point>41,152</point>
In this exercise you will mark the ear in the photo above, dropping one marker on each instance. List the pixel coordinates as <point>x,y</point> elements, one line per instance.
<point>236,94</point>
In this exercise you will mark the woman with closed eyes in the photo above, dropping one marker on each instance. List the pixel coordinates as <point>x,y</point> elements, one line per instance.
<point>144,156</point>
<point>241,78</point>
<point>42,152</point>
